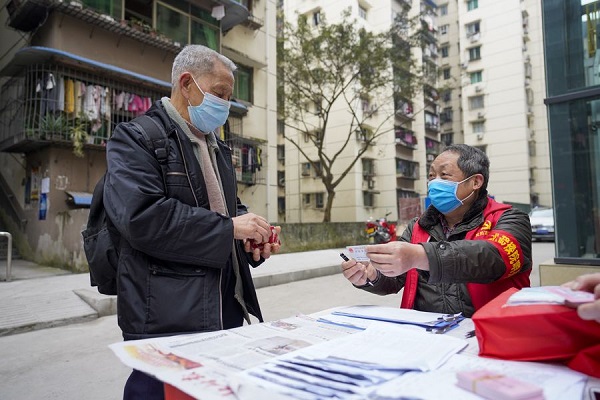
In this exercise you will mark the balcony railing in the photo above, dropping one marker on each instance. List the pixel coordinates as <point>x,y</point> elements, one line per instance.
<point>37,116</point>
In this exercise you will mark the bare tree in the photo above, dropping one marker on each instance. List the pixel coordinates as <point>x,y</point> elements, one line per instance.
<point>330,63</point>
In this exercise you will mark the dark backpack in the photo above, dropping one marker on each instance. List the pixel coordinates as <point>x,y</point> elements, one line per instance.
<point>100,238</point>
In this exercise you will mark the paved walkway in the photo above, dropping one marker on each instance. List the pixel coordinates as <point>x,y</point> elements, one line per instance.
<point>39,297</point>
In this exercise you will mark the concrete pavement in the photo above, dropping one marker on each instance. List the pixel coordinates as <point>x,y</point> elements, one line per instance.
<point>39,297</point>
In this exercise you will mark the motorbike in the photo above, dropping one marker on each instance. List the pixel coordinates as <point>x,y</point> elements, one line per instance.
<point>380,230</point>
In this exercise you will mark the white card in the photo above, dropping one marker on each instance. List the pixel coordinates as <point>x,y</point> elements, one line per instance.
<point>359,253</point>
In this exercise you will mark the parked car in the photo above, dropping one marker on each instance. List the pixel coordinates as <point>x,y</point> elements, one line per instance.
<point>542,223</point>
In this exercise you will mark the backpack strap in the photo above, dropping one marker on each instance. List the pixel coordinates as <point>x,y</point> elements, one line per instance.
<point>157,140</point>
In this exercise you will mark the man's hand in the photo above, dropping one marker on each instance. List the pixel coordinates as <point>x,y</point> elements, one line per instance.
<point>396,258</point>
<point>251,226</point>
<point>357,273</point>
<point>588,283</point>
<point>265,249</point>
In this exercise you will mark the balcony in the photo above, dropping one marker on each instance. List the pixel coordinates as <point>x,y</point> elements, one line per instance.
<point>432,148</point>
<point>406,138</point>
<point>404,109</point>
<point>407,169</point>
<point>36,117</point>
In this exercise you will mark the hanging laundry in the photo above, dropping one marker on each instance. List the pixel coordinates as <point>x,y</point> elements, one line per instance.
<point>69,96</point>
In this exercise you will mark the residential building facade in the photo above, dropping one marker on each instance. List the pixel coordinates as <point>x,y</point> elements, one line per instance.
<point>492,81</point>
<point>71,71</point>
<point>389,179</point>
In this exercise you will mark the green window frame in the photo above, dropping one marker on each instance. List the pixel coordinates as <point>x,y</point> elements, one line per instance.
<point>243,86</point>
<point>187,24</point>
<point>475,53</point>
<point>472,5</point>
<point>476,76</point>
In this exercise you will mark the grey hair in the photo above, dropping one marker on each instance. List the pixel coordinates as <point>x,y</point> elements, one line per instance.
<point>199,60</point>
<point>471,161</point>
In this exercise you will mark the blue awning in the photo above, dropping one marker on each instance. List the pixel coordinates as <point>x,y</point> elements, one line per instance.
<point>36,55</point>
<point>79,199</point>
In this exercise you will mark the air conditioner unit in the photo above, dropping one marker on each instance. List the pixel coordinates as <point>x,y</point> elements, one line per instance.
<point>531,134</point>
<point>281,181</point>
<point>430,157</point>
<point>480,136</point>
<point>464,65</point>
<point>371,183</point>
<point>480,115</point>
<point>478,88</point>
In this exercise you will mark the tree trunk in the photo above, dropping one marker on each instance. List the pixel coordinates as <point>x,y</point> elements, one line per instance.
<point>328,205</point>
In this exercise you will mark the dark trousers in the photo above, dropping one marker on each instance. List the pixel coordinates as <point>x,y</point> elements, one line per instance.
<point>140,386</point>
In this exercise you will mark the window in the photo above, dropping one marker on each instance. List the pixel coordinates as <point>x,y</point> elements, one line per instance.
<point>316,18</point>
<point>368,199</point>
<point>475,53</point>
<point>306,169</point>
<point>472,28</point>
<point>444,29</point>
<point>478,127</point>
<point>319,200</point>
<point>362,11</point>
<point>446,73</point>
<point>368,167</point>
<point>306,199</point>
<point>472,5</point>
<point>446,115</point>
<point>281,152</point>
<point>443,9</point>
<point>444,51</point>
<point>281,204</point>
<point>243,84</point>
<point>447,96</point>
<point>475,77</point>
<point>281,178</point>
<point>475,102</point>
<point>447,138</point>
<point>317,169</point>
<point>185,23</point>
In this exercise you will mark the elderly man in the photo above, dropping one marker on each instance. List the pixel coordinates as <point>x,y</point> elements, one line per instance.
<point>461,253</point>
<point>185,237</point>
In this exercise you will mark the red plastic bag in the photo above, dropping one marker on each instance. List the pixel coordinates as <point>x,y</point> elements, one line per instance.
<point>538,333</point>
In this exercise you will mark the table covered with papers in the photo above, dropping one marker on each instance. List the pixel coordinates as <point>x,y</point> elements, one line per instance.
<point>360,352</point>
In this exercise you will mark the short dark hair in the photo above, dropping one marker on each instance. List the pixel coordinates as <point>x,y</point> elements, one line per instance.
<point>471,161</point>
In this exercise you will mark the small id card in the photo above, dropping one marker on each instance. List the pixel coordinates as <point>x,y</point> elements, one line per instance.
<point>359,253</point>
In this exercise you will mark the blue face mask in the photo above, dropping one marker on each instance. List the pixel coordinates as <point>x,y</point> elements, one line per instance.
<point>442,194</point>
<point>210,114</point>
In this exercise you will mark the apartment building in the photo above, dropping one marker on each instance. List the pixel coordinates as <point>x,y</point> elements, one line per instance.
<point>70,71</point>
<point>493,80</point>
<point>390,177</point>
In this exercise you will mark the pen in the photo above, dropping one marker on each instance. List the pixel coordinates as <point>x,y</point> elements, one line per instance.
<point>469,334</point>
<point>347,259</point>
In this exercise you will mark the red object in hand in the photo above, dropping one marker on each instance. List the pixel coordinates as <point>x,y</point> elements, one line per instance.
<point>273,239</point>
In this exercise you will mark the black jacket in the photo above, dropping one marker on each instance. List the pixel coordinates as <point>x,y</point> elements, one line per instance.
<point>173,248</point>
<point>454,262</point>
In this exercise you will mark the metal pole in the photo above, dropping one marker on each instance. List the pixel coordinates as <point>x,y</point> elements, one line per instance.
<point>8,255</point>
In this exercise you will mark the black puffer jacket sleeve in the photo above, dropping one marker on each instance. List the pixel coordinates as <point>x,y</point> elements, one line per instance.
<point>161,227</point>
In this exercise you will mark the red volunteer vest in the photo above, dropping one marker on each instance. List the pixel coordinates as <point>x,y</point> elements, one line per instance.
<point>507,245</point>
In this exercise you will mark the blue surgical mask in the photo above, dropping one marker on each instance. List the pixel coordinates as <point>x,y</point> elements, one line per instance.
<point>442,194</point>
<point>210,114</point>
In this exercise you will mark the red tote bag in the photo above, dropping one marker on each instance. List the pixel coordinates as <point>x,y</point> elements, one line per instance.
<point>538,333</point>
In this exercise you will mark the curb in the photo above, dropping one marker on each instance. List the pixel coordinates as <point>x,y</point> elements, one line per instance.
<point>293,276</point>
